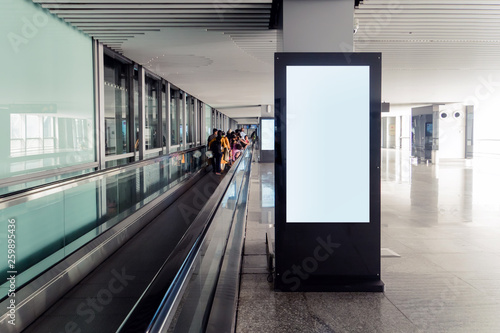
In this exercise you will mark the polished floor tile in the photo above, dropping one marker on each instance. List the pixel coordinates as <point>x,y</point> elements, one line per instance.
<point>444,222</point>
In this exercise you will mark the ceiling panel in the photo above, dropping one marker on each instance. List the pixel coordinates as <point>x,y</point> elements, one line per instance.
<point>223,51</point>
<point>430,34</point>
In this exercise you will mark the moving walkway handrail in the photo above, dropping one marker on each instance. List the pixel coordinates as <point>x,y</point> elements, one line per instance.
<point>163,291</point>
<point>27,194</point>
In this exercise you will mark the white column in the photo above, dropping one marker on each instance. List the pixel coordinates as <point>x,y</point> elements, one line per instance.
<point>318,25</point>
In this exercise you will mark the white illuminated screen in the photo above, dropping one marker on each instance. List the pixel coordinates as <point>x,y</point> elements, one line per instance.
<point>267,134</point>
<point>328,144</point>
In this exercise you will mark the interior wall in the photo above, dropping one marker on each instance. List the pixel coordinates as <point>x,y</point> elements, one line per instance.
<point>480,88</point>
<point>47,101</point>
<point>451,131</point>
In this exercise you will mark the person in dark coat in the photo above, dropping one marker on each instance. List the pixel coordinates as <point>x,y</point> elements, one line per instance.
<point>216,148</point>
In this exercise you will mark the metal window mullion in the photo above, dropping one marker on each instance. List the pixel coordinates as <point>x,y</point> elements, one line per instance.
<point>142,113</point>
<point>197,115</point>
<point>178,125</point>
<point>184,121</point>
<point>169,111</point>
<point>99,105</point>
<point>203,125</point>
<point>195,121</point>
<point>196,133</point>
<point>131,108</point>
<point>159,111</point>
<point>192,112</point>
<point>202,121</point>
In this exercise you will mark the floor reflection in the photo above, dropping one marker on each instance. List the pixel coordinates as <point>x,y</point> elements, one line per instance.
<point>451,192</point>
<point>444,222</point>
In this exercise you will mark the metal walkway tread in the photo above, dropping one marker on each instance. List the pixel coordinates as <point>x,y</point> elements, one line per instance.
<point>104,298</point>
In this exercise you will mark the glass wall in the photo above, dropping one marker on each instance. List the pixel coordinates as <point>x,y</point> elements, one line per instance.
<point>47,105</point>
<point>47,100</point>
<point>174,116</point>
<point>151,108</point>
<point>116,108</point>
<point>208,121</point>
<point>190,119</point>
<point>181,109</point>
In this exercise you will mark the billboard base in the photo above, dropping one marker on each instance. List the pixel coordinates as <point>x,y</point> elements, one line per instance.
<point>331,284</point>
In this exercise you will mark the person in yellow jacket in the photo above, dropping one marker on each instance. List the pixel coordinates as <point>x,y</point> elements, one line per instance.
<point>226,151</point>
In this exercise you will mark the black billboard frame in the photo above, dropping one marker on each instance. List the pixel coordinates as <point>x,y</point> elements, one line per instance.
<point>328,256</point>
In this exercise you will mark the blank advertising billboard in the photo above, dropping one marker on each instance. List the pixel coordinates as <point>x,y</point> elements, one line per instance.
<point>327,171</point>
<point>328,144</point>
<point>267,134</point>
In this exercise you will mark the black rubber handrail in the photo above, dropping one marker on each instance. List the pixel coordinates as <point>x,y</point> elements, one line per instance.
<point>165,285</point>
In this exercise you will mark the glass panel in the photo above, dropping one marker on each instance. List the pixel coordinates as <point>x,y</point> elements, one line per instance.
<point>116,109</point>
<point>45,81</point>
<point>190,119</point>
<point>208,121</point>
<point>51,226</point>
<point>164,116</point>
<point>151,109</point>
<point>180,112</point>
<point>174,117</point>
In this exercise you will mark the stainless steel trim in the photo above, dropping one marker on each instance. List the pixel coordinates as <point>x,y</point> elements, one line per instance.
<point>113,54</point>
<point>109,158</point>
<point>154,150</point>
<point>151,74</point>
<point>35,193</point>
<point>100,126</point>
<point>44,174</point>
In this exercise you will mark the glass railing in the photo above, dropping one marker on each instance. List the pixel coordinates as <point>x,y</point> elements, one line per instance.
<point>180,297</point>
<point>41,227</point>
<point>44,180</point>
<point>195,304</point>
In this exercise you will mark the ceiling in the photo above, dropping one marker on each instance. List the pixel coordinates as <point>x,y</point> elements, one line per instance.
<point>222,51</point>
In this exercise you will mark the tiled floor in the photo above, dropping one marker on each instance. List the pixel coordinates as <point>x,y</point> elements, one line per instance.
<point>444,222</point>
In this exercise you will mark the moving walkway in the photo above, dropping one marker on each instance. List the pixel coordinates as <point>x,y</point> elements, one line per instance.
<point>149,257</point>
